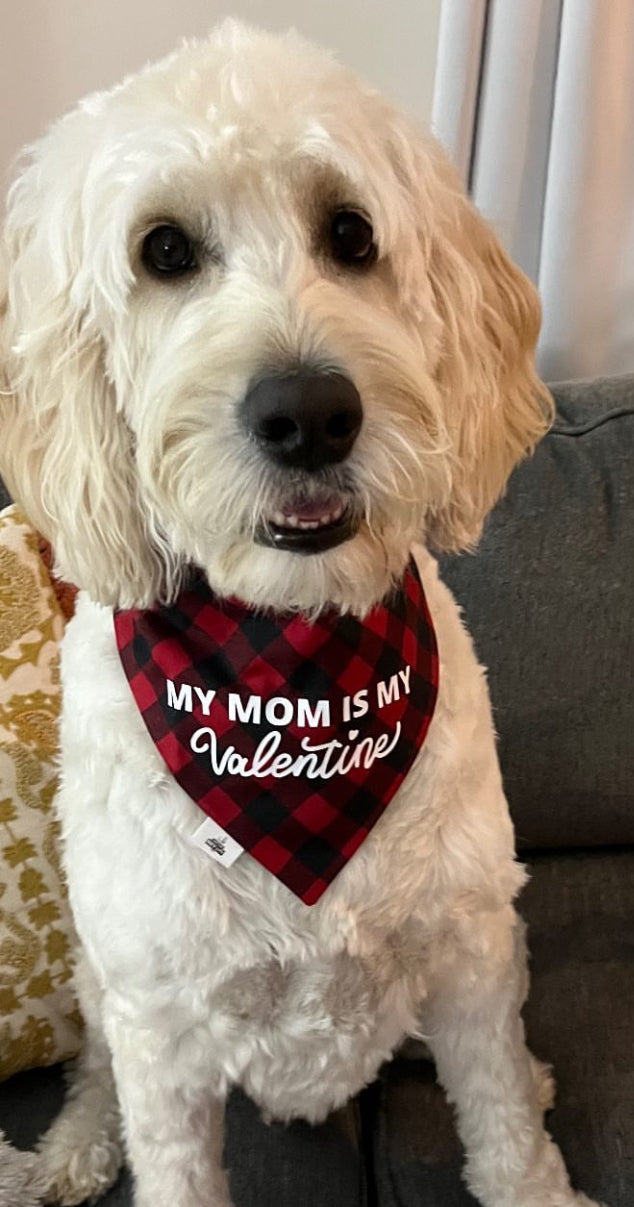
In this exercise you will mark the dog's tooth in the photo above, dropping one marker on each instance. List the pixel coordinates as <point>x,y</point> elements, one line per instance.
<point>293,519</point>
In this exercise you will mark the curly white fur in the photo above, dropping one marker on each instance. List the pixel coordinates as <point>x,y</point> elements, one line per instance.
<point>21,1181</point>
<point>120,436</point>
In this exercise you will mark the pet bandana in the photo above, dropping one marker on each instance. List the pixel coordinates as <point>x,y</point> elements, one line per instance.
<point>292,735</point>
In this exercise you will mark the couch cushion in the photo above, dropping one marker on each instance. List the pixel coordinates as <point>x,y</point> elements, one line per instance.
<point>579,1018</point>
<point>549,599</point>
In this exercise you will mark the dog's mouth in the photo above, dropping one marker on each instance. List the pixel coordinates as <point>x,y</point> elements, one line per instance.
<point>309,525</point>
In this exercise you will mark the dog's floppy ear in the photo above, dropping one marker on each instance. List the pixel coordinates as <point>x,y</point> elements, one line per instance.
<point>65,451</point>
<point>495,406</point>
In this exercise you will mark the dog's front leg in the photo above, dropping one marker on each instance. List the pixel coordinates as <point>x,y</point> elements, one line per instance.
<point>80,1154</point>
<point>473,1026</point>
<point>173,1121</point>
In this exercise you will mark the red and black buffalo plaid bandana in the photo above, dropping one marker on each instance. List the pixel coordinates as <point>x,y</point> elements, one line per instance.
<point>293,736</point>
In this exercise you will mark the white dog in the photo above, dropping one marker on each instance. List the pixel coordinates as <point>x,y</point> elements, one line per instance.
<point>242,216</point>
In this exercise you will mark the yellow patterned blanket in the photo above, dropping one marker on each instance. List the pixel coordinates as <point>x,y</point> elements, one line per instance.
<point>39,1023</point>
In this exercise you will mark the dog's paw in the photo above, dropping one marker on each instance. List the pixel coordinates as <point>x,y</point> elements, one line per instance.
<point>544,1083</point>
<point>558,1198</point>
<point>72,1170</point>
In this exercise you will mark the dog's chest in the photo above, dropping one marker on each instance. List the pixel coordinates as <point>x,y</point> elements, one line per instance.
<point>308,995</point>
<point>313,1031</point>
<point>338,990</point>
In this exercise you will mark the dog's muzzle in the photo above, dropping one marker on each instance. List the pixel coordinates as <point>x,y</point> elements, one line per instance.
<point>305,421</point>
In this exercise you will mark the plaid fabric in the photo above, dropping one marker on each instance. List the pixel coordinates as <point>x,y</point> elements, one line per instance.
<point>292,735</point>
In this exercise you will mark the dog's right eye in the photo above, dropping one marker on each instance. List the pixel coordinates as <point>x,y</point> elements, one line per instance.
<point>352,239</point>
<point>168,252</point>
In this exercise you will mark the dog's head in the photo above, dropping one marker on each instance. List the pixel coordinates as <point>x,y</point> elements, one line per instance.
<point>251,322</point>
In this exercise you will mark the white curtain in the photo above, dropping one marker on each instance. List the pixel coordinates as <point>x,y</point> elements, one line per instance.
<point>534,99</point>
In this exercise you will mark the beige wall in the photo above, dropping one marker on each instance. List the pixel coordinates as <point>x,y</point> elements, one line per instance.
<point>55,51</point>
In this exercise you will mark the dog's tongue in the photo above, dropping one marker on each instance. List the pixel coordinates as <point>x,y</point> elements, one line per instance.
<point>311,509</point>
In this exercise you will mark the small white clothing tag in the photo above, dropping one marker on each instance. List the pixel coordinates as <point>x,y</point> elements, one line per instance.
<point>217,843</point>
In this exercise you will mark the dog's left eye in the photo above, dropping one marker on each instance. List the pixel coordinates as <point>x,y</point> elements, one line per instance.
<point>168,252</point>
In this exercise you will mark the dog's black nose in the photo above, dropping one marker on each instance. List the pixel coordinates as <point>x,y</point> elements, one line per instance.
<point>306,419</point>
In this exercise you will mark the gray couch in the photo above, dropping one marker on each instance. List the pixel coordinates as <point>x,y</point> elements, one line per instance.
<point>549,598</point>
